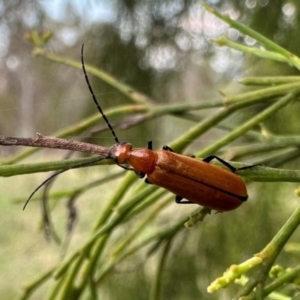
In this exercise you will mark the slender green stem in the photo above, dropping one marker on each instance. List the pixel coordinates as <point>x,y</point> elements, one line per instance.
<point>128,91</point>
<point>239,102</point>
<point>282,236</point>
<point>262,53</point>
<point>282,280</point>
<point>261,94</point>
<point>247,126</point>
<point>67,290</point>
<point>80,190</point>
<point>105,229</point>
<point>29,289</point>
<point>259,291</point>
<point>88,271</point>
<point>93,289</point>
<point>187,138</point>
<point>94,256</point>
<point>13,170</point>
<point>54,293</point>
<point>293,59</point>
<point>156,236</point>
<point>119,248</point>
<point>267,144</point>
<point>260,81</point>
<point>156,285</point>
<point>97,250</point>
<point>270,253</point>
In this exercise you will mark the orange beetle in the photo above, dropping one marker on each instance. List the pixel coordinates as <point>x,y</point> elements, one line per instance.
<point>190,179</point>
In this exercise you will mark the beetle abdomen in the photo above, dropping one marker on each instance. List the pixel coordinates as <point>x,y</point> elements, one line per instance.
<point>198,181</point>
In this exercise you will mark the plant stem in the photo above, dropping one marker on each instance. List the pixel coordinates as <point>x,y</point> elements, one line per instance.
<point>293,59</point>
<point>239,131</point>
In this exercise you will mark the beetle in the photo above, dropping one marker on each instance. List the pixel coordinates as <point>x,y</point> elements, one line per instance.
<point>193,181</point>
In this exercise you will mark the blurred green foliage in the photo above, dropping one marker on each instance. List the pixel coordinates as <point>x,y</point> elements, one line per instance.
<point>162,49</point>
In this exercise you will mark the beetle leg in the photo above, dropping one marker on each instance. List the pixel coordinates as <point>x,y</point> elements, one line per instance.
<point>248,167</point>
<point>139,174</point>
<point>147,181</point>
<point>178,200</point>
<point>167,148</point>
<point>150,145</point>
<point>126,168</point>
<point>209,158</point>
<point>228,165</point>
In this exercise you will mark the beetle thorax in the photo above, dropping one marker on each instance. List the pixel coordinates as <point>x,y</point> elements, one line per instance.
<point>143,160</point>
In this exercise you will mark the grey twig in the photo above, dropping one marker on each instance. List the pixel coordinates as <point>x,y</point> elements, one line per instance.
<point>54,143</point>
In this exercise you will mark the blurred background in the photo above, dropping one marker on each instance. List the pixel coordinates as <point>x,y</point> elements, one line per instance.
<point>162,49</point>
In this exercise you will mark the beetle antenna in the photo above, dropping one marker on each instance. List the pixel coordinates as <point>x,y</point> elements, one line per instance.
<point>60,172</point>
<point>95,99</point>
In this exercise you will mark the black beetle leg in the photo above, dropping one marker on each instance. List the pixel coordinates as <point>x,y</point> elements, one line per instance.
<point>228,165</point>
<point>178,200</point>
<point>147,181</point>
<point>249,167</point>
<point>167,148</point>
<point>140,175</point>
<point>209,158</point>
<point>126,168</point>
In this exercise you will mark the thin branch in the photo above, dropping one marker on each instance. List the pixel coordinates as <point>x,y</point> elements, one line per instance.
<point>54,143</point>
